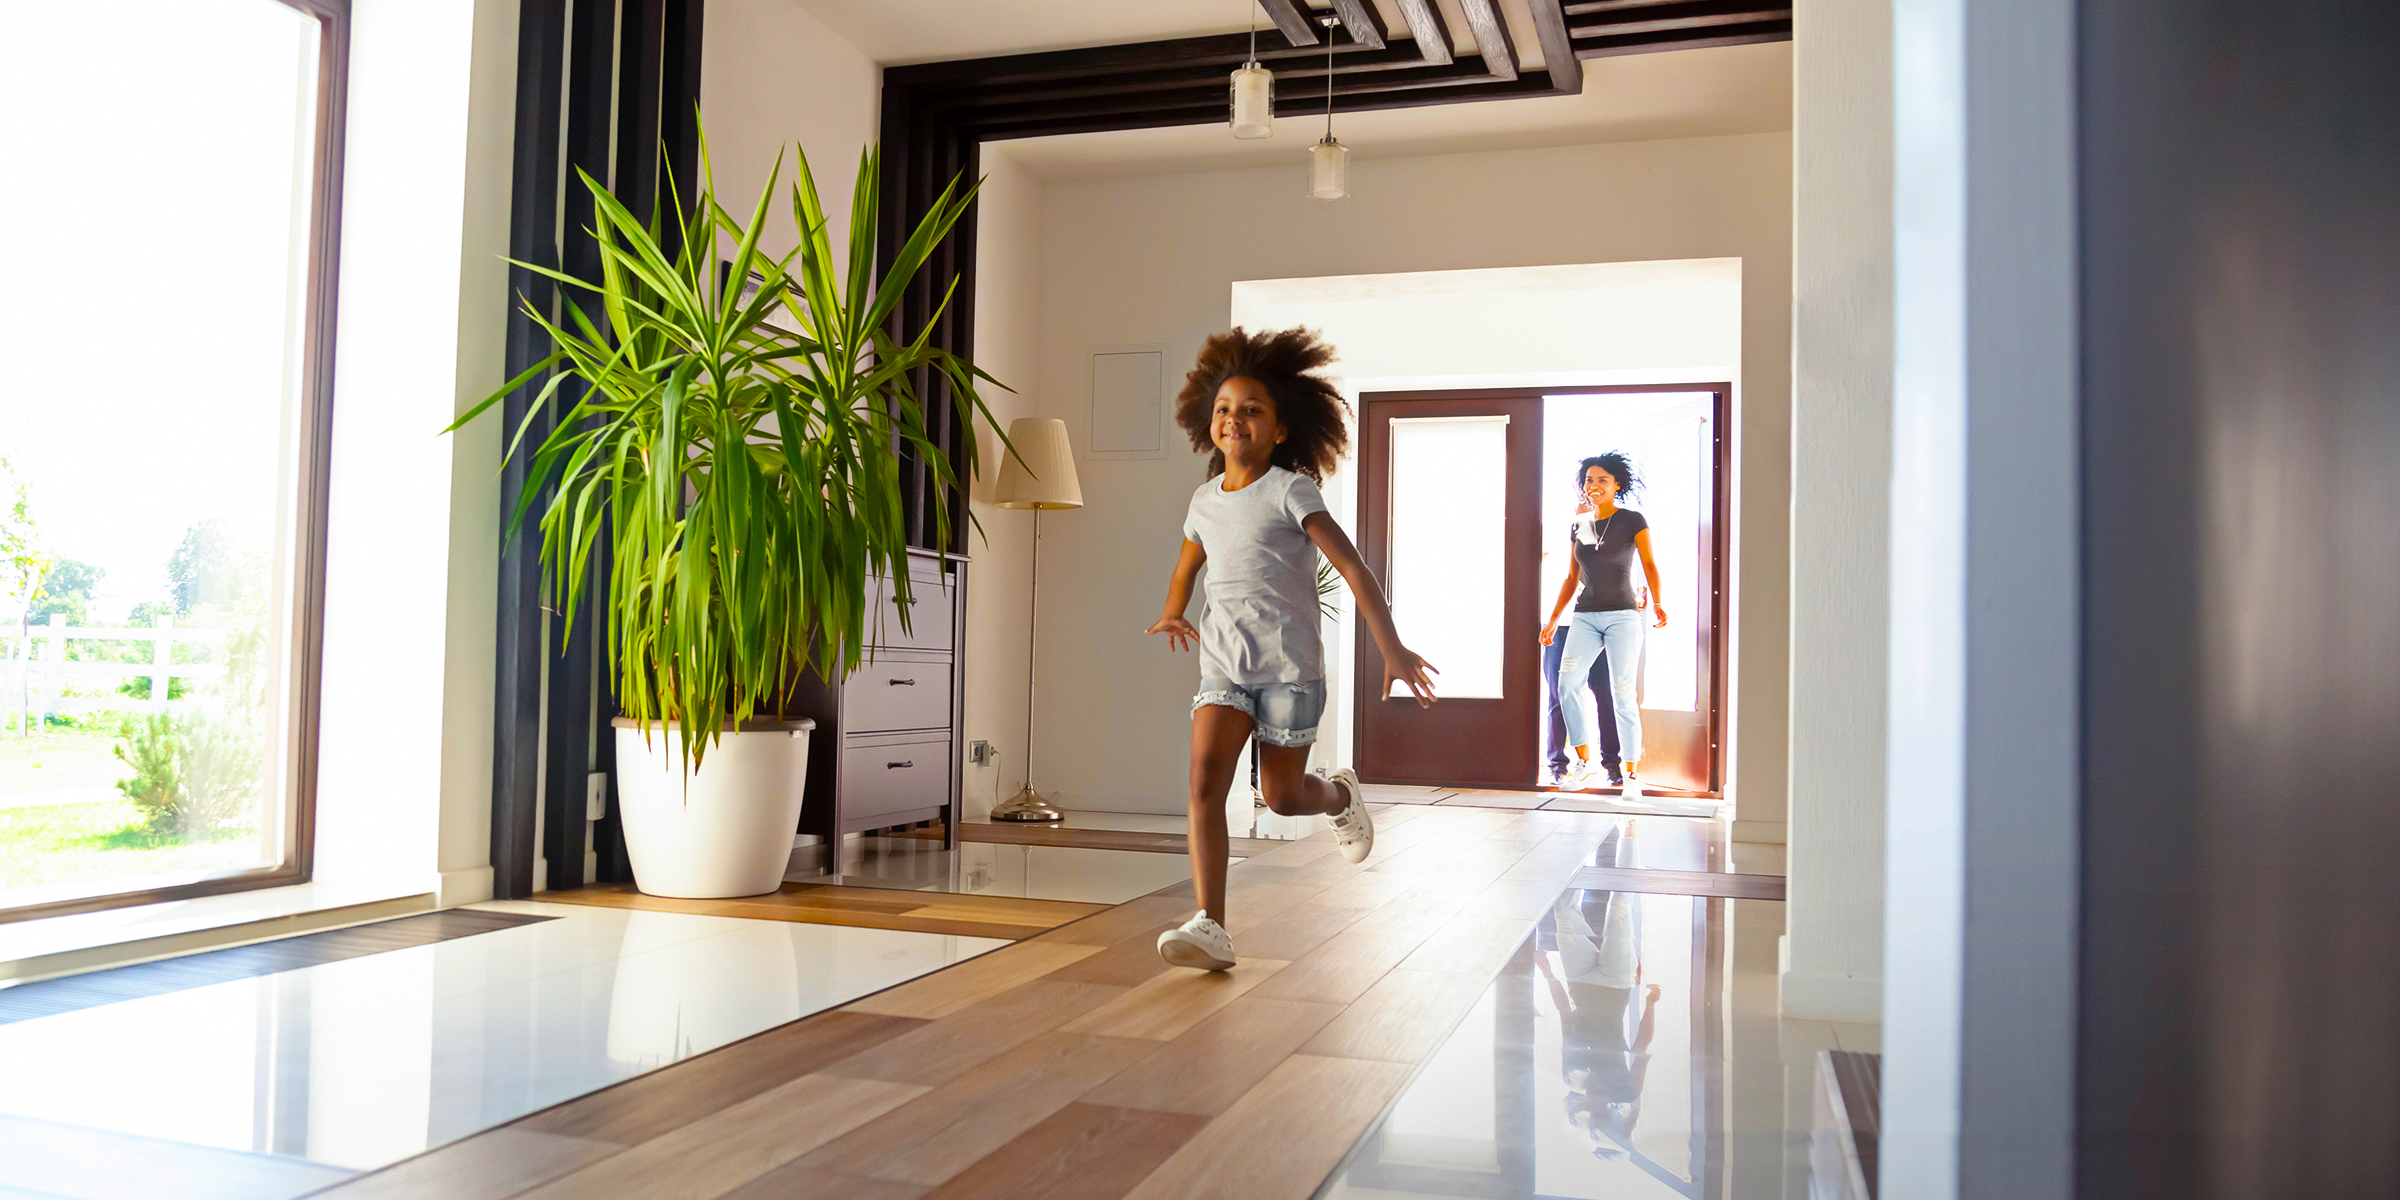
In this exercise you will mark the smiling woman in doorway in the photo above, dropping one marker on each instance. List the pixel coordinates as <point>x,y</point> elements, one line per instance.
<point>1606,540</point>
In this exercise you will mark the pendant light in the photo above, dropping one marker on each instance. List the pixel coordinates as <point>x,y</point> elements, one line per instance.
<point>1250,99</point>
<point>1329,160</point>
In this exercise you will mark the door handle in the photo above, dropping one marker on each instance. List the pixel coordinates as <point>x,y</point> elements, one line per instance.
<point>900,683</point>
<point>899,766</point>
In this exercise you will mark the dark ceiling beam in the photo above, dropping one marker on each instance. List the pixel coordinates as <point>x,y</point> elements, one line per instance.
<point>1220,51</point>
<point>1425,25</point>
<point>1499,51</point>
<point>1739,14</point>
<point>1361,22</point>
<point>1558,47</point>
<point>1291,17</point>
<point>1670,39</point>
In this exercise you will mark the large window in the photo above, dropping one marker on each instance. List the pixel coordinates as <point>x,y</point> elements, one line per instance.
<point>172,197</point>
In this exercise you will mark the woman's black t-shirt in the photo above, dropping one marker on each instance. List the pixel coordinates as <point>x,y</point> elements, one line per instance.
<point>1604,552</point>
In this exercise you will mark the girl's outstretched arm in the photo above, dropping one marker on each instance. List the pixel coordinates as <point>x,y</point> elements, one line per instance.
<point>1399,662</point>
<point>1180,634</point>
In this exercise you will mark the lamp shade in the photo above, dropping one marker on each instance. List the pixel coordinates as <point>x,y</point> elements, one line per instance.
<point>1251,106</point>
<point>1329,169</point>
<point>1041,474</point>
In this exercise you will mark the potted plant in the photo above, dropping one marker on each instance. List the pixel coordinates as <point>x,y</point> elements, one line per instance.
<point>736,451</point>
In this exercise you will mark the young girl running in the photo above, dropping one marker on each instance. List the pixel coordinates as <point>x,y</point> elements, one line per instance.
<point>1258,524</point>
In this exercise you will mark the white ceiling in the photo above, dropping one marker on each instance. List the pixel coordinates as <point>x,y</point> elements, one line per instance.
<point>1639,97</point>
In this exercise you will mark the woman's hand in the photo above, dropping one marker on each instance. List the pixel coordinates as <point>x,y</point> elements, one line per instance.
<point>1658,615</point>
<point>1181,635</point>
<point>1405,666</point>
<point>1549,631</point>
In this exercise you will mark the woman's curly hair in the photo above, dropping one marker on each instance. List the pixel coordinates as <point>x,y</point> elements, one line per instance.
<point>1316,420</point>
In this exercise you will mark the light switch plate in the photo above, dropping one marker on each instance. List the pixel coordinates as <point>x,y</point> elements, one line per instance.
<point>595,795</point>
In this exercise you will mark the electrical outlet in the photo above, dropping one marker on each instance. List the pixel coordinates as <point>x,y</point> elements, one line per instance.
<point>595,796</point>
<point>979,752</point>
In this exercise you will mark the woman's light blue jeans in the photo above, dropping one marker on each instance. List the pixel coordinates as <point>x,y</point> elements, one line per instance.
<point>1619,631</point>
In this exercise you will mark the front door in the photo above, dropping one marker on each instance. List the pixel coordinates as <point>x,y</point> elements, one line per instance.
<point>1461,494</point>
<point>1449,518</point>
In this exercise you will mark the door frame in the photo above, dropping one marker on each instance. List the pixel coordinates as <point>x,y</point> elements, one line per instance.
<point>1374,510</point>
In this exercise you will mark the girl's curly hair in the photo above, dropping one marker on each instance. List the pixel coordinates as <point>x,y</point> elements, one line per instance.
<point>1316,420</point>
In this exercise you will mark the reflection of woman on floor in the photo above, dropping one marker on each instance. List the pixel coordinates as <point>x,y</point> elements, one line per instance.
<point>1604,1034</point>
<point>1607,616</point>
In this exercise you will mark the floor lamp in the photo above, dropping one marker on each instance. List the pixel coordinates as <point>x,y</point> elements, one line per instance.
<point>1041,474</point>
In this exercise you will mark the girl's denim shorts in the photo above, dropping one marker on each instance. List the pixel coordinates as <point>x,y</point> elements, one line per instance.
<point>1285,714</point>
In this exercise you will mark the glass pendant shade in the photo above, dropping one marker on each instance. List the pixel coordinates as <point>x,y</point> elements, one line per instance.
<point>1252,101</point>
<point>1329,170</point>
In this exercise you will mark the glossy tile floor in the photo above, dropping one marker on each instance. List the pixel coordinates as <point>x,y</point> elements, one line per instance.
<point>273,1086</point>
<point>1630,1049</point>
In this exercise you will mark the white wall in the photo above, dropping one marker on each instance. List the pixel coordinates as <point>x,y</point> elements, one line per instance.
<point>773,76</point>
<point>1152,260</point>
<point>404,766</point>
<point>1677,321</point>
<point>1841,494</point>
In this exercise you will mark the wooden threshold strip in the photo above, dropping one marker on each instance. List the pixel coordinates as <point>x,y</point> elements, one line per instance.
<point>1007,917</point>
<point>1098,839</point>
<point>1679,883</point>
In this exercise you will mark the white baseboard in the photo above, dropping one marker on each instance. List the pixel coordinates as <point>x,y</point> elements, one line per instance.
<point>1770,832</point>
<point>470,886</point>
<point>1822,996</point>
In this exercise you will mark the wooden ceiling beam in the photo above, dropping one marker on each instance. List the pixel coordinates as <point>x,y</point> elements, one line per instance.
<point>1292,18</point>
<point>1492,41</point>
<point>1425,25</point>
<point>1745,16</point>
<point>1653,43</point>
<point>1558,47</point>
<point>1361,22</point>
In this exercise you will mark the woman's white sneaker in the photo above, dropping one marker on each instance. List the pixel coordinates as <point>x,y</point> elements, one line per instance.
<point>1632,792</point>
<point>1582,775</point>
<point>1353,829</point>
<point>1199,943</point>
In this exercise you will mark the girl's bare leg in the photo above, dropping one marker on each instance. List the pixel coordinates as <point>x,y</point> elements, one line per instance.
<point>1217,736</point>
<point>1289,788</point>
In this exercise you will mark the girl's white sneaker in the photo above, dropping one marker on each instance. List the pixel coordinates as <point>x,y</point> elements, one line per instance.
<point>1582,775</point>
<point>1353,829</point>
<point>1199,943</point>
<point>1632,793</point>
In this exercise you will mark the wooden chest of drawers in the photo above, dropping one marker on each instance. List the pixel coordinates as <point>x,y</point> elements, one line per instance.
<point>887,748</point>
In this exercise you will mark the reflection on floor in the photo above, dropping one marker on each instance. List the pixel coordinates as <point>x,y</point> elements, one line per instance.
<point>272,1086</point>
<point>1594,1066</point>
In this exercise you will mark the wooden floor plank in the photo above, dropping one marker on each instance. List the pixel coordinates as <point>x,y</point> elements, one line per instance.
<point>649,1106</point>
<point>1280,1140</point>
<point>1098,839</point>
<point>937,1135</point>
<point>1169,1003</point>
<point>726,1149</point>
<point>944,1049</point>
<point>1075,1064</point>
<point>953,988</point>
<point>492,1165</point>
<point>1210,1067</point>
<point>1403,1018</point>
<point>1081,1152</point>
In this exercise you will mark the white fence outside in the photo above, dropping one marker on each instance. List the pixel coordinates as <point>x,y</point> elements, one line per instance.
<point>38,668</point>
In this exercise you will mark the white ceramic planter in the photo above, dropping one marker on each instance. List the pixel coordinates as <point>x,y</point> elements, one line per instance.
<point>729,831</point>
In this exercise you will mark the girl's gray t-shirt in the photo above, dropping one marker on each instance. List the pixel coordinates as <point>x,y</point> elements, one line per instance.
<point>1260,622</point>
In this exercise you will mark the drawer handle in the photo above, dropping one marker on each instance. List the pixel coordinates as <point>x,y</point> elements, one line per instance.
<point>900,766</point>
<point>900,683</point>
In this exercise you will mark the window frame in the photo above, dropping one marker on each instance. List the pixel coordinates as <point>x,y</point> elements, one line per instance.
<point>304,647</point>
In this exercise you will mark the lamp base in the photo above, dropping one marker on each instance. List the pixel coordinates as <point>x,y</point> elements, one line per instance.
<point>1027,805</point>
